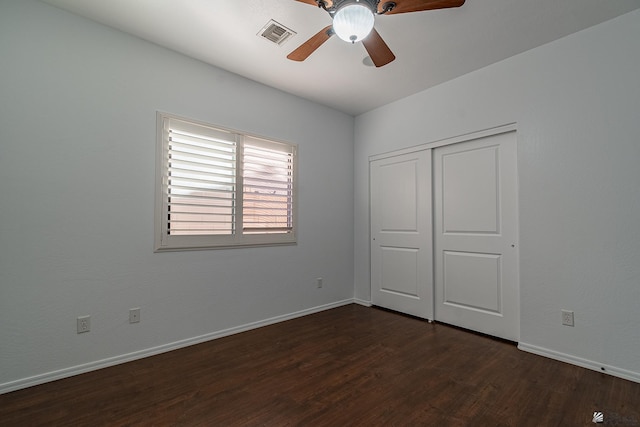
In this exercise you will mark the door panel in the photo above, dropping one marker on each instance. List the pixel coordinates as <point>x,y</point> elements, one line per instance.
<point>475,230</point>
<point>398,188</point>
<point>401,233</point>
<point>472,173</point>
<point>483,270</point>
<point>396,263</point>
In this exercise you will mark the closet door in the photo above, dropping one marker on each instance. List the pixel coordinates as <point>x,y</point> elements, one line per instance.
<point>475,230</point>
<point>401,233</point>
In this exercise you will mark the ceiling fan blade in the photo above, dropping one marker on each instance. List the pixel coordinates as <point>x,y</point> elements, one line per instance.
<point>308,47</point>
<point>404,6</point>
<point>378,50</point>
<point>311,2</point>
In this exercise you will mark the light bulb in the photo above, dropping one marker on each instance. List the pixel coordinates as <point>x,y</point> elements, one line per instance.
<point>352,23</point>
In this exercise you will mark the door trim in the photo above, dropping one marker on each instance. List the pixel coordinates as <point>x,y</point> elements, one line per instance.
<point>497,130</point>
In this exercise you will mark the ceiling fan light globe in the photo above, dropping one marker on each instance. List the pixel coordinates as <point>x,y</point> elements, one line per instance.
<point>353,23</point>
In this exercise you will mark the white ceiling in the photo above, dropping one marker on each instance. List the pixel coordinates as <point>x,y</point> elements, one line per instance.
<point>431,47</point>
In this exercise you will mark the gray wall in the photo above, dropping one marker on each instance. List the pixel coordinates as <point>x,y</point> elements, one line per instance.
<point>78,106</point>
<point>576,103</point>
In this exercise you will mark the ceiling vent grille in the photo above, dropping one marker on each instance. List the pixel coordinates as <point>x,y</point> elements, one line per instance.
<point>276,33</point>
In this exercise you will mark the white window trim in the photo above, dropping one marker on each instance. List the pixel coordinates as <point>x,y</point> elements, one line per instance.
<point>164,242</point>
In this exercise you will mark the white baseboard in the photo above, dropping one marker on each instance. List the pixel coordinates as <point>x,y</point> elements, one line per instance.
<point>362,302</point>
<point>589,364</point>
<point>116,360</point>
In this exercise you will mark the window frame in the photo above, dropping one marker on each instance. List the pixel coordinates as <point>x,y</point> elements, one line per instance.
<point>163,241</point>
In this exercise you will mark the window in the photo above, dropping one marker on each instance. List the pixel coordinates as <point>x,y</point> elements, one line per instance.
<point>220,188</point>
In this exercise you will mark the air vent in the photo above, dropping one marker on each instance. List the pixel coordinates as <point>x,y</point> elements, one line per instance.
<point>275,32</point>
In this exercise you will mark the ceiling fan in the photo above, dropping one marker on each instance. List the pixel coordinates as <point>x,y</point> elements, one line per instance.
<point>353,22</point>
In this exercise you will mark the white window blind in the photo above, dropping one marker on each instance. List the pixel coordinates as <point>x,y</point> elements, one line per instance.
<point>220,188</point>
<point>201,181</point>
<point>267,187</point>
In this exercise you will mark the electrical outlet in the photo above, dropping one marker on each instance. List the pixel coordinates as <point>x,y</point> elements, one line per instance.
<point>567,317</point>
<point>319,282</point>
<point>134,315</point>
<point>83,323</point>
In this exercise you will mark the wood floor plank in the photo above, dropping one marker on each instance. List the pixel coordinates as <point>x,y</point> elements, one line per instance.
<point>350,366</point>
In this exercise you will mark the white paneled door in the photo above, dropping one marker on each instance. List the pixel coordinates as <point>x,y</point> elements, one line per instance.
<point>401,233</point>
<point>475,232</point>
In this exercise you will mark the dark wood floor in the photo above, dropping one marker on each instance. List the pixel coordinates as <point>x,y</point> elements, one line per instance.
<point>348,366</point>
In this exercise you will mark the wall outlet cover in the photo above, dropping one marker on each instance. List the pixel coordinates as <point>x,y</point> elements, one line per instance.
<point>567,317</point>
<point>83,324</point>
<point>134,315</point>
